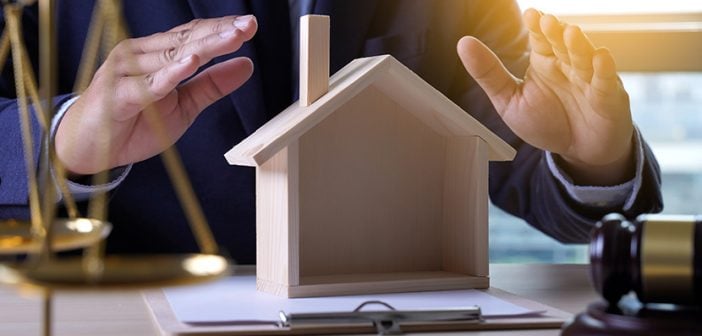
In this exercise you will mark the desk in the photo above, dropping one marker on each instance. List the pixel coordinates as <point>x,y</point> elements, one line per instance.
<point>121,313</point>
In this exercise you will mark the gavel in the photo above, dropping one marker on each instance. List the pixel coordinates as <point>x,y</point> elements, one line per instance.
<point>659,257</point>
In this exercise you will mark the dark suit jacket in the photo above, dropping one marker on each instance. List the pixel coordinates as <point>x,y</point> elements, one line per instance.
<point>422,34</point>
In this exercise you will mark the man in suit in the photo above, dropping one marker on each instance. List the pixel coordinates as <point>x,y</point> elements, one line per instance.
<point>216,80</point>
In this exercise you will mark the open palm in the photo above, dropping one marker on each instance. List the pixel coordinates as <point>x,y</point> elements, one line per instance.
<point>571,101</point>
<point>147,78</point>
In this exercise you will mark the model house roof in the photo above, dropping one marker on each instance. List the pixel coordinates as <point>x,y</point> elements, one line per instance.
<point>389,76</point>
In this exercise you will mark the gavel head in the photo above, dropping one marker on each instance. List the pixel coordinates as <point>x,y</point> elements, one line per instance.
<point>659,257</point>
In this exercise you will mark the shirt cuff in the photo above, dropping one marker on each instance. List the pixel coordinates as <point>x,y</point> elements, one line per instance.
<point>603,196</point>
<point>81,190</point>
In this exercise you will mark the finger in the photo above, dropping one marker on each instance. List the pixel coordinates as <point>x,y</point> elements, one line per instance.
<point>580,52</point>
<point>488,71</point>
<point>194,30</point>
<point>553,30</point>
<point>604,78</point>
<point>205,48</point>
<point>208,23</point>
<point>136,92</point>
<point>212,84</point>
<point>537,40</point>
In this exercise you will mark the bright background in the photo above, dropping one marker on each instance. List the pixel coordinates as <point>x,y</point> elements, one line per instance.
<point>612,6</point>
<point>659,45</point>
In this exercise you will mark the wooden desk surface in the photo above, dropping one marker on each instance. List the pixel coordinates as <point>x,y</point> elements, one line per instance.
<point>565,287</point>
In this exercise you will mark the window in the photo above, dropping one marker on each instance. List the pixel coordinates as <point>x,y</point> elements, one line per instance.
<point>609,7</point>
<point>667,107</point>
<point>665,88</point>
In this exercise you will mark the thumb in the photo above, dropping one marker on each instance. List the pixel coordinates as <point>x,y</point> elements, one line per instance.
<point>213,83</point>
<point>488,71</point>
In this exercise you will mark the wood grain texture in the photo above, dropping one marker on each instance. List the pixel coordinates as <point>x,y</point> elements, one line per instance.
<point>295,120</point>
<point>314,58</point>
<point>272,287</point>
<point>396,81</point>
<point>373,283</point>
<point>381,175</point>
<point>465,226</point>
<point>277,218</point>
<point>371,189</point>
<point>384,283</point>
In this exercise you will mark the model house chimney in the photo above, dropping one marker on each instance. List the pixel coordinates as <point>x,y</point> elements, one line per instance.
<point>314,58</point>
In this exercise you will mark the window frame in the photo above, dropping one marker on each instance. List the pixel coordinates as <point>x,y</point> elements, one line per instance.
<point>675,39</point>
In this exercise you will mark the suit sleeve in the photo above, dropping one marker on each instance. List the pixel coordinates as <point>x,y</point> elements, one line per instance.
<point>525,187</point>
<point>13,172</point>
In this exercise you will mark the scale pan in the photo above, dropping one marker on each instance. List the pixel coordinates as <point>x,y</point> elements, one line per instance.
<point>119,272</point>
<point>16,236</point>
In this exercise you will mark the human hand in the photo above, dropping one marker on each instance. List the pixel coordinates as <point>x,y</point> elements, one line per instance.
<point>571,101</point>
<point>144,75</point>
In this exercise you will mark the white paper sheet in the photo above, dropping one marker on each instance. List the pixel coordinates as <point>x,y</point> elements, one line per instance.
<point>235,300</point>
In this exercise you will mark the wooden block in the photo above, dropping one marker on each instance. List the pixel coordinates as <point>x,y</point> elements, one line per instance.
<point>354,284</point>
<point>314,58</point>
<point>465,223</point>
<point>277,219</point>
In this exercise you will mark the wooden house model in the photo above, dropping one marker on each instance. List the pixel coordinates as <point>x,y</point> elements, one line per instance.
<point>373,182</point>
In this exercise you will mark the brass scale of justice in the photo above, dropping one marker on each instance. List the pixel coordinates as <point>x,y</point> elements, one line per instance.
<point>44,234</point>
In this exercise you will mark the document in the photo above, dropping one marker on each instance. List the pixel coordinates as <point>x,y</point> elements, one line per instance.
<point>235,300</point>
